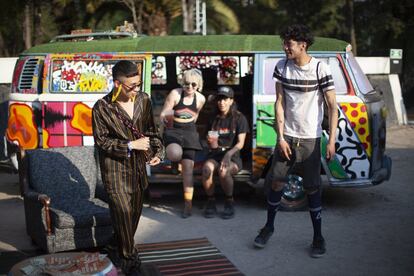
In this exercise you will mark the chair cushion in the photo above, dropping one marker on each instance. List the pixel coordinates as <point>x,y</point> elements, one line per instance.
<point>80,213</point>
<point>63,173</point>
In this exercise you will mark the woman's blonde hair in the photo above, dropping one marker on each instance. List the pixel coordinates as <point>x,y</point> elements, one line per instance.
<point>195,75</point>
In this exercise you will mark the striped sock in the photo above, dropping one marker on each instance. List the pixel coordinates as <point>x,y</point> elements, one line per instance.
<point>315,210</point>
<point>273,202</point>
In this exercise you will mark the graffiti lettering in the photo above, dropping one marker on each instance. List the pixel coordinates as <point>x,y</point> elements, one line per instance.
<point>90,82</point>
<point>82,76</point>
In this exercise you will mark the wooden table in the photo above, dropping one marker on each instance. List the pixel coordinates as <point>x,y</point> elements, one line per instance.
<point>66,263</point>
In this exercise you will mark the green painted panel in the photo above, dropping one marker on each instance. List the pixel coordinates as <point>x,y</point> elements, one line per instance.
<point>334,166</point>
<point>265,132</point>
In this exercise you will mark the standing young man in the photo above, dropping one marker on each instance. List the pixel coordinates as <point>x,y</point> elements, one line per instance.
<point>127,139</point>
<point>303,83</point>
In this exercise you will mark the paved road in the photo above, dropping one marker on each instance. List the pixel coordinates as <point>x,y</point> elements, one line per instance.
<point>368,231</point>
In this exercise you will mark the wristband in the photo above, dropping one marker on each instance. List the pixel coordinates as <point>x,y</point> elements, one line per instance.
<point>281,138</point>
<point>130,146</point>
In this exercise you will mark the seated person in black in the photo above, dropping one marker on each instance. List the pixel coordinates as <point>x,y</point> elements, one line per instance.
<point>224,155</point>
<point>180,133</point>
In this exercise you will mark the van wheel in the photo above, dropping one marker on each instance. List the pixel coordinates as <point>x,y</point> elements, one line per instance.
<point>294,196</point>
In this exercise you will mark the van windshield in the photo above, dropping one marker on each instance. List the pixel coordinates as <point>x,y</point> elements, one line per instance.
<point>360,79</point>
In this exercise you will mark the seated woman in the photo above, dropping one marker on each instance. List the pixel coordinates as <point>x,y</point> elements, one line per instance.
<point>226,138</point>
<point>179,114</point>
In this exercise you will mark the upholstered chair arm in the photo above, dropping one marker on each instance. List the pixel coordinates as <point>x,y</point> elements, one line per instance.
<point>34,198</point>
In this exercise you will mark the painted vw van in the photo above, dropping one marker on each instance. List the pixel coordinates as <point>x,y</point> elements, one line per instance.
<point>56,84</point>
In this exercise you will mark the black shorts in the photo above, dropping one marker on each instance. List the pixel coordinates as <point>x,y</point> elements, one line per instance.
<point>185,135</point>
<point>306,154</point>
<point>217,155</point>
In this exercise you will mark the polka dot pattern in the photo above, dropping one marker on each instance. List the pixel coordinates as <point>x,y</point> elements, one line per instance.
<point>358,118</point>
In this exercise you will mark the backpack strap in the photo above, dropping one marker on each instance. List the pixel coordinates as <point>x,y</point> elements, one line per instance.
<point>319,81</point>
<point>317,76</point>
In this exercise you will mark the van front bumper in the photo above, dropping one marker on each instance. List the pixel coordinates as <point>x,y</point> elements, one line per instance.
<point>384,173</point>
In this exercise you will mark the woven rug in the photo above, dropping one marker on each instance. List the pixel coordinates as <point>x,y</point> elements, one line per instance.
<point>185,257</point>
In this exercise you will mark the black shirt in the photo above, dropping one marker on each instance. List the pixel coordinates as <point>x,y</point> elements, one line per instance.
<point>229,128</point>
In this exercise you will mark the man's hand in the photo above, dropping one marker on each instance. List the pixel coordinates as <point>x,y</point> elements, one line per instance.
<point>284,149</point>
<point>330,151</point>
<point>154,161</point>
<point>141,143</point>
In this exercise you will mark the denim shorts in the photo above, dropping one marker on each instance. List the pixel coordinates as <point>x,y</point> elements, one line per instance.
<point>305,158</point>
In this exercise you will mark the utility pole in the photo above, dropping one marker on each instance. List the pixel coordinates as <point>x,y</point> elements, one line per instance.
<point>194,17</point>
<point>200,17</point>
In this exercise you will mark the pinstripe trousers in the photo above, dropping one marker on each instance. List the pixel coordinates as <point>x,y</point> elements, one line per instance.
<point>125,209</point>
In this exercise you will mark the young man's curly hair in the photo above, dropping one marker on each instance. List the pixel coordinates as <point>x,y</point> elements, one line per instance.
<point>298,32</point>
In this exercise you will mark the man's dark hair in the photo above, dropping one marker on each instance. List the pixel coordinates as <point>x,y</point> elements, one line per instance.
<point>298,32</point>
<point>124,68</point>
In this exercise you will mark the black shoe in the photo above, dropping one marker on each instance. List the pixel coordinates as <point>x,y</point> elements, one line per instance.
<point>264,235</point>
<point>228,211</point>
<point>210,210</point>
<point>318,247</point>
<point>131,266</point>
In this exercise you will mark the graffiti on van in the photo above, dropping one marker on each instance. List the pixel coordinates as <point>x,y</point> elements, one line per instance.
<point>81,75</point>
<point>64,124</point>
<point>22,127</point>
<point>69,124</point>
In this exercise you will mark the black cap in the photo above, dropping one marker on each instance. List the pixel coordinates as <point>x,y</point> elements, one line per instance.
<point>225,91</point>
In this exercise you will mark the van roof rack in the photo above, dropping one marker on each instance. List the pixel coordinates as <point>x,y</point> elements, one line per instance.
<point>92,36</point>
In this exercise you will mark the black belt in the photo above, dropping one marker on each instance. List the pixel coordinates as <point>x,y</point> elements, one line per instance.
<point>220,149</point>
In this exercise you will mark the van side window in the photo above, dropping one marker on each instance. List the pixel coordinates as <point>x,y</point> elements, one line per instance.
<point>268,82</point>
<point>158,70</point>
<point>338,76</point>
<point>227,67</point>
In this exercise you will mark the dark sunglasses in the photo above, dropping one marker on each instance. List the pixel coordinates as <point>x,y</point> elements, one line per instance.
<point>132,87</point>
<point>187,84</point>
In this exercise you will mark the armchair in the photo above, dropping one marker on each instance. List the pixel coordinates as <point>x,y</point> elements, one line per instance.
<point>63,209</point>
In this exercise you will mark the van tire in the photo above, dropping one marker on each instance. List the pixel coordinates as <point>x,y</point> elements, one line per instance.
<point>287,203</point>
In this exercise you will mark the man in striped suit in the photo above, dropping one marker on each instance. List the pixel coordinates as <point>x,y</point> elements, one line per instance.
<point>303,83</point>
<point>127,139</point>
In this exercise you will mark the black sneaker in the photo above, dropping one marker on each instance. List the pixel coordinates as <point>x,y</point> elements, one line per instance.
<point>264,235</point>
<point>228,211</point>
<point>211,209</point>
<point>318,247</point>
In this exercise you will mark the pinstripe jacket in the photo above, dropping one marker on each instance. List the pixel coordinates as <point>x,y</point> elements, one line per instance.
<point>122,171</point>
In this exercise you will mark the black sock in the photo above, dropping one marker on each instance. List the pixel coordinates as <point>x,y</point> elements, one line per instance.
<point>273,202</point>
<point>315,210</point>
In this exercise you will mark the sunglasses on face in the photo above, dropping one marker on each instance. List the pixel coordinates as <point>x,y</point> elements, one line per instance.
<point>132,87</point>
<point>188,84</point>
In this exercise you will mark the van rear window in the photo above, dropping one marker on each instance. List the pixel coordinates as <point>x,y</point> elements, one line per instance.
<point>81,76</point>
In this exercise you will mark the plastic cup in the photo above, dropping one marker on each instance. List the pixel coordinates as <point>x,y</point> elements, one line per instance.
<point>169,117</point>
<point>212,138</point>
